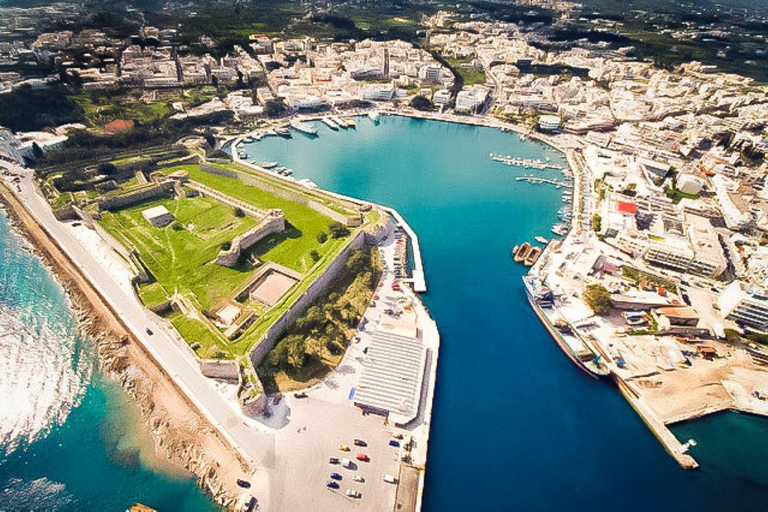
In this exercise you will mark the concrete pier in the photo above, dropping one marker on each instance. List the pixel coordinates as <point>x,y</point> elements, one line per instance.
<point>665,436</point>
<point>418,279</point>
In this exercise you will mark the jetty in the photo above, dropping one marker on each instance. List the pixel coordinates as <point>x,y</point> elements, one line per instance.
<point>537,180</point>
<point>525,162</point>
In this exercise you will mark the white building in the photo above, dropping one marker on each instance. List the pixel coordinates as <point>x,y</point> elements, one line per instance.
<point>9,147</point>
<point>733,216</point>
<point>158,216</point>
<point>689,184</point>
<point>745,304</point>
<point>549,123</point>
<point>441,97</point>
<point>468,100</point>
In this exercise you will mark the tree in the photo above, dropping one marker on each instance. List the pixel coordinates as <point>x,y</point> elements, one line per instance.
<point>358,262</point>
<point>274,108</point>
<point>598,298</point>
<point>239,212</point>
<point>106,168</point>
<point>322,237</point>
<point>338,230</point>
<point>421,103</point>
<point>597,222</point>
<point>314,255</point>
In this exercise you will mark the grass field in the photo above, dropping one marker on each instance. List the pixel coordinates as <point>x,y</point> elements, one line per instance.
<point>471,75</point>
<point>291,248</point>
<point>181,256</point>
<point>183,260</point>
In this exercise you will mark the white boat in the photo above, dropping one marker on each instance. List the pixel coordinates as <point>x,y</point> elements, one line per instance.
<point>349,122</point>
<point>302,127</point>
<point>268,165</point>
<point>541,240</point>
<point>373,115</point>
<point>338,121</point>
<point>330,123</point>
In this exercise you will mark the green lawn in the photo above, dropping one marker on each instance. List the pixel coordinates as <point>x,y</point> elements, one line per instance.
<point>471,75</point>
<point>183,260</point>
<point>290,248</point>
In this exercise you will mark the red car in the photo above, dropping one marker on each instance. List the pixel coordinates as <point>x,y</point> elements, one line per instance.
<point>362,457</point>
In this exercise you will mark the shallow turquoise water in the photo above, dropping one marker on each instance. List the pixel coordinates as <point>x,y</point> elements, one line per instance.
<point>64,429</point>
<point>516,425</point>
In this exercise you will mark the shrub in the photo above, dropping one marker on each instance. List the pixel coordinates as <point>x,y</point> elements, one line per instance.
<point>239,212</point>
<point>322,237</point>
<point>314,255</point>
<point>338,230</point>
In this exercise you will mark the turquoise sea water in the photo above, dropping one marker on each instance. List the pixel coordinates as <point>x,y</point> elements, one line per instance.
<point>67,438</point>
<point>516,425</point>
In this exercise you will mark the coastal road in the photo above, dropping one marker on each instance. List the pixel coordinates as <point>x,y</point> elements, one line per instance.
<point>256,446</point>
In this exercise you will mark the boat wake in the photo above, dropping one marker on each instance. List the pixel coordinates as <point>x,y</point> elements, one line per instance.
<point>43,376</point>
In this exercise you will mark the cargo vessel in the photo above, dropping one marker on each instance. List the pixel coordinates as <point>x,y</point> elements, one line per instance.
<point>542,300</point>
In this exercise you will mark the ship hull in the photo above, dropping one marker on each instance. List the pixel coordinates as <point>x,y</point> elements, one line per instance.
<point>558,337</point>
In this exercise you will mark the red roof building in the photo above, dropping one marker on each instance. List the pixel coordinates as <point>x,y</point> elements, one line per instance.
<point>626,207</point>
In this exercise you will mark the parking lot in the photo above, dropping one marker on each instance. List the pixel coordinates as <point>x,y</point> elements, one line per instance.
<point>303,449</point>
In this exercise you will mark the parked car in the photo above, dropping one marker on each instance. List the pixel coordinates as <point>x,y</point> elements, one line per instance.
<point>363,457</point>
<point>389,478</point>
<point>394,443</point>
<point>245,484</point>
<point>149,331</point>
<point>360,442</point>
<point>335,475</point>
<point>332,485</point>
<point>343,447</point>
<point>346,463</point>
<point>359,478</point>
<point>333,460</point>
<point>353,493</point>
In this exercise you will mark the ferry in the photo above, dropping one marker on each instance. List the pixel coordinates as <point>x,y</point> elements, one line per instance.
<point>542,300</point>
<point>330,123</point>
<point>520,252</point>
<point>373,115</point>
<point>305,128</point>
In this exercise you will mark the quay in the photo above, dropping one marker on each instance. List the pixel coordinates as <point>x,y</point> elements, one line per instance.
<point>417,275</point>
<point>671,444</point>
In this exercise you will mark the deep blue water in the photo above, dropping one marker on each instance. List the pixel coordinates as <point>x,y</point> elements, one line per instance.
<point>67,438</point>
<point>516,425</point>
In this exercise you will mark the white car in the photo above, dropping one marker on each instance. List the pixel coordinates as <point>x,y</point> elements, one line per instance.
<point>359,478</point>
<point>353,493</point>
<point>389,479</point>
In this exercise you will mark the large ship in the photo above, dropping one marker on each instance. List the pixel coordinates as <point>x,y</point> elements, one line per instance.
<point>542,300</point>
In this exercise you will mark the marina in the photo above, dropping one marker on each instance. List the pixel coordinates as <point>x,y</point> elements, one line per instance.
<point>303,127</point>
<point>536,180</point>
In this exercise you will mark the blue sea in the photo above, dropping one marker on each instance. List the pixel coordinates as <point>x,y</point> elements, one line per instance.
<point>516,426</point>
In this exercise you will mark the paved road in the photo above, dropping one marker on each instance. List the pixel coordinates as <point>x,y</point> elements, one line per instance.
<point>256,446</point>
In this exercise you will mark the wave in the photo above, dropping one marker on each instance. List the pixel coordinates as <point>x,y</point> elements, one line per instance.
<point>43,374</point>
<point>40,494</point>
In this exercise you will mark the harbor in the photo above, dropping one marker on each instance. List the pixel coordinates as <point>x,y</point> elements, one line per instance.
<point>495,311</point>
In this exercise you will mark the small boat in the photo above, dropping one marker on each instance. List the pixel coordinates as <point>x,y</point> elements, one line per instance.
<point>532,256</point>
<point>268,165</point>
<point>560,229</point>
<point>373,115</point>
<point>541,240</point>
<point>349,122</point>
<point>521,252</point>
<point>338,121</point>
<point>283,132</point>
<point>138,507</point>
<point>300,126</point>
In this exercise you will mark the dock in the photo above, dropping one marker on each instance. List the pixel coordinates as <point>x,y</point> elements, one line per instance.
<point>417,276</point>
<point>535,180</point>
<point>665,436</point>
<point>525,162</point>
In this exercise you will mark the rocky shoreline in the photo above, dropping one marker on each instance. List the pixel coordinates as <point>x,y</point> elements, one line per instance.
<point>181,433</point>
